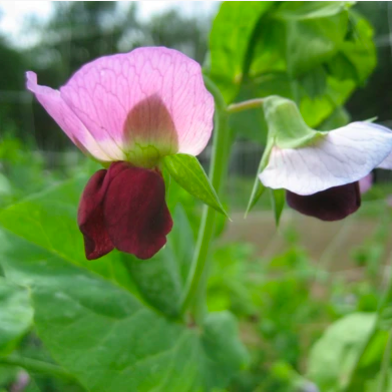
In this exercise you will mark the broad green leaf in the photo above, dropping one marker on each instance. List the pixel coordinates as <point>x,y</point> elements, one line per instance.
<point>187,172</point>
<point>16,315</point>
<point>337,119</point>
<point>182,241</point>
<point>312,42</point>
<point>167,271</point>
<point>41,217</point>
<point>314,82</point>
<point>302,10</point>
<point>268,52</point>
<point>359,49</point>
<point>333,356</point>
<point>231,32</point>
<point>95,327</point>
<point>109,340</point>
<point>316,110</point>
<point>278,198</point>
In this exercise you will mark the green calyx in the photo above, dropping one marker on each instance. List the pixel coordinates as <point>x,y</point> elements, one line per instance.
<point>286,127</point>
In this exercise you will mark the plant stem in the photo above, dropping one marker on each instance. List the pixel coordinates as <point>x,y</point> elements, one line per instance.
<point>386,360</point>
<point>246,105</point>
<point>384,300</point>
<point>36,366</point>
<point>195,285</point>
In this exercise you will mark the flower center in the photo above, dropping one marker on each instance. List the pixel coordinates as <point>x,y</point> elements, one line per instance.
<point>149,133</point>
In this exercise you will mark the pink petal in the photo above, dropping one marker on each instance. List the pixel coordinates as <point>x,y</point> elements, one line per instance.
<point>52,101</point>
<point>104,92</point>
<point>328,205</point>
<point>90,217</point>
<point>135,212</point>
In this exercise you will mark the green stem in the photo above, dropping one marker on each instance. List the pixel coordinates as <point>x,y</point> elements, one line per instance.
<point>36,366</point>
<point>385,365</point>
<point>245,105</point>
<point>384,300</point>
<point>195,285</point>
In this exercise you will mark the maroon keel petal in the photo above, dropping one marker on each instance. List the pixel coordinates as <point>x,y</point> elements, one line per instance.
<point>329,205</point>
<point>135,212</point>
<point>90,217</point>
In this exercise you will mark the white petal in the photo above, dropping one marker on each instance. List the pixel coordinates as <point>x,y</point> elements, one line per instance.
<point>345,155</point>
<point>386,163</point>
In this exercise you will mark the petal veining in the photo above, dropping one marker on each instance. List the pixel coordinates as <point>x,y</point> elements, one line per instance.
<point>103,93</point>
<point>343,156</point>
<point>69,122</point>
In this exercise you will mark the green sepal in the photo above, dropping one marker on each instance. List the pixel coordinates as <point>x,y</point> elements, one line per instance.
<point>286,127</point>
<point>278,198</point>
<point>258,188</point>
<point>188,173</point>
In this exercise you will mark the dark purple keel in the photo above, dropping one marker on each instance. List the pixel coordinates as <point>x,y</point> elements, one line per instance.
<point>330,205</point>
<point>124,207</point>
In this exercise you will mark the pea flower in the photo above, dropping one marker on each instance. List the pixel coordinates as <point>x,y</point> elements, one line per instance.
<point>320,171</point>
<point>128,111</point>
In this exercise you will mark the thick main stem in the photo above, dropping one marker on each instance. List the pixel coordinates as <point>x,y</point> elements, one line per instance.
<point>206,231</point>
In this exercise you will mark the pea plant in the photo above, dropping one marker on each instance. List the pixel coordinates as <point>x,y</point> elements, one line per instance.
<point>111,267</point>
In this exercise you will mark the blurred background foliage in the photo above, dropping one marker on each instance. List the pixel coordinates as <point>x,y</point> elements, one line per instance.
<point>313,299</point>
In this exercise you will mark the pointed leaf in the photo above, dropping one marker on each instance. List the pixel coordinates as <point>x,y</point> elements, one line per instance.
<point>99,331</point>
<point>278,198</point>
<point>231,32</point>
<point>187,172</point>
<point>257,192</point>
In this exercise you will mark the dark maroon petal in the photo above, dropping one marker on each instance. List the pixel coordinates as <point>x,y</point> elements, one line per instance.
<point>329,205</point>
<point>90,217</point>
<point>136,216</point>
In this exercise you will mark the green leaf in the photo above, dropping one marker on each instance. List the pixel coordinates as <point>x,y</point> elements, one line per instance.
<point>337,119</point>
<point>99,330</point>
<point>278,198</point>
<point>314,41</point>
<point>303,10</point>
<point>315,82</point>
<point>231,32</point>
<point>359,49</point>
<point>41,218</point>
<point>333,356</point>
<point>258,188</point>
<point>257,192</point>
<point>167,271</point>
<point>16,315</point>
<point>187,172</point>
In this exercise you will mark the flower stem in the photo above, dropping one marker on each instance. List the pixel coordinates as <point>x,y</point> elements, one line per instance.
<point>36,366</point>
<point>385,365</point>
<point>383,301</point>
<point>245,105</point>
<point>195,285</point>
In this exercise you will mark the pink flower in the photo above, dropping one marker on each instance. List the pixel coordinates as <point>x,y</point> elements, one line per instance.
<point>128,111</point>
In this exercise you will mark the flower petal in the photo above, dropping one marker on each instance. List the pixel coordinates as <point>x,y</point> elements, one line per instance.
<point>135,211</point>
<point>343,156</point>
<point>52,101</point>
<point>329,205</point>
<point>103,93</point>
<point>90,217</point>
<point>386,163</point>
